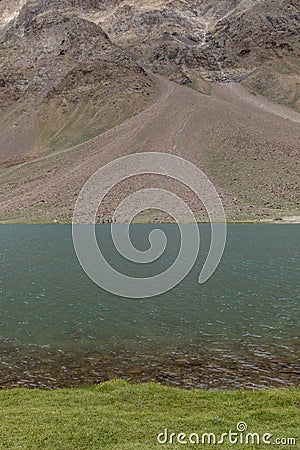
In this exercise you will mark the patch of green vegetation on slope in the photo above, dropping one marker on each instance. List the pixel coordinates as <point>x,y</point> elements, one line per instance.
<point>279,81</point>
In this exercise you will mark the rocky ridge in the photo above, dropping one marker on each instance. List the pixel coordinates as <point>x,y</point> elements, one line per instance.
<point>198,42</point>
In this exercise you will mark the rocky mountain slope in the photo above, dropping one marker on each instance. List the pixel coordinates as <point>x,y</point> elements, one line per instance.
<point>62,80</point>
<point>249,148</point>
<point>200,41</point>
<point>72,69</point>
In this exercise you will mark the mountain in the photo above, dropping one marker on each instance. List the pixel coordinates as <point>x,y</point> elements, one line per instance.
<point>85,82</point>
<point>72,69</point>
<point>195,42</point>
<point>62,80</point>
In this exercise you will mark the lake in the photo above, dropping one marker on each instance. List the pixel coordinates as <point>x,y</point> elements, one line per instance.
<point>240,329</point>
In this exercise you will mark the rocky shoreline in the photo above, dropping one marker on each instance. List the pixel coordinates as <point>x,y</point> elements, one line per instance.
<point>188,370</point>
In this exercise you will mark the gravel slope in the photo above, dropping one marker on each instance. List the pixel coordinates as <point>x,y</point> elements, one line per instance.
<point>246,145</point>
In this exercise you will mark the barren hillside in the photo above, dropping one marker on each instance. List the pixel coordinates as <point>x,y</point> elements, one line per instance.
<point>82,83</point>
<point>62,81</point>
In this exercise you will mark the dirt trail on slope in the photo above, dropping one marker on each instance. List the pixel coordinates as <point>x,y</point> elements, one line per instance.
<point>249,150</point>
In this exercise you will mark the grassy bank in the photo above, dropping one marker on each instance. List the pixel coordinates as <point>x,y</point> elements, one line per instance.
<point>118,415</point>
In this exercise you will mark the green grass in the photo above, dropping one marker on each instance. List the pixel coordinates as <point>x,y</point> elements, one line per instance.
<point>205,88</point>
<point>118,415</point>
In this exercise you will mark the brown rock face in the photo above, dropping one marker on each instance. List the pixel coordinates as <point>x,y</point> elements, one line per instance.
<point>214,40</point>
<point>62,80</point>
<point>70,68</point>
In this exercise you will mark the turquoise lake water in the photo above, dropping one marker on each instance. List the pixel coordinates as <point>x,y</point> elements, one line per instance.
<point>240,329</point>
